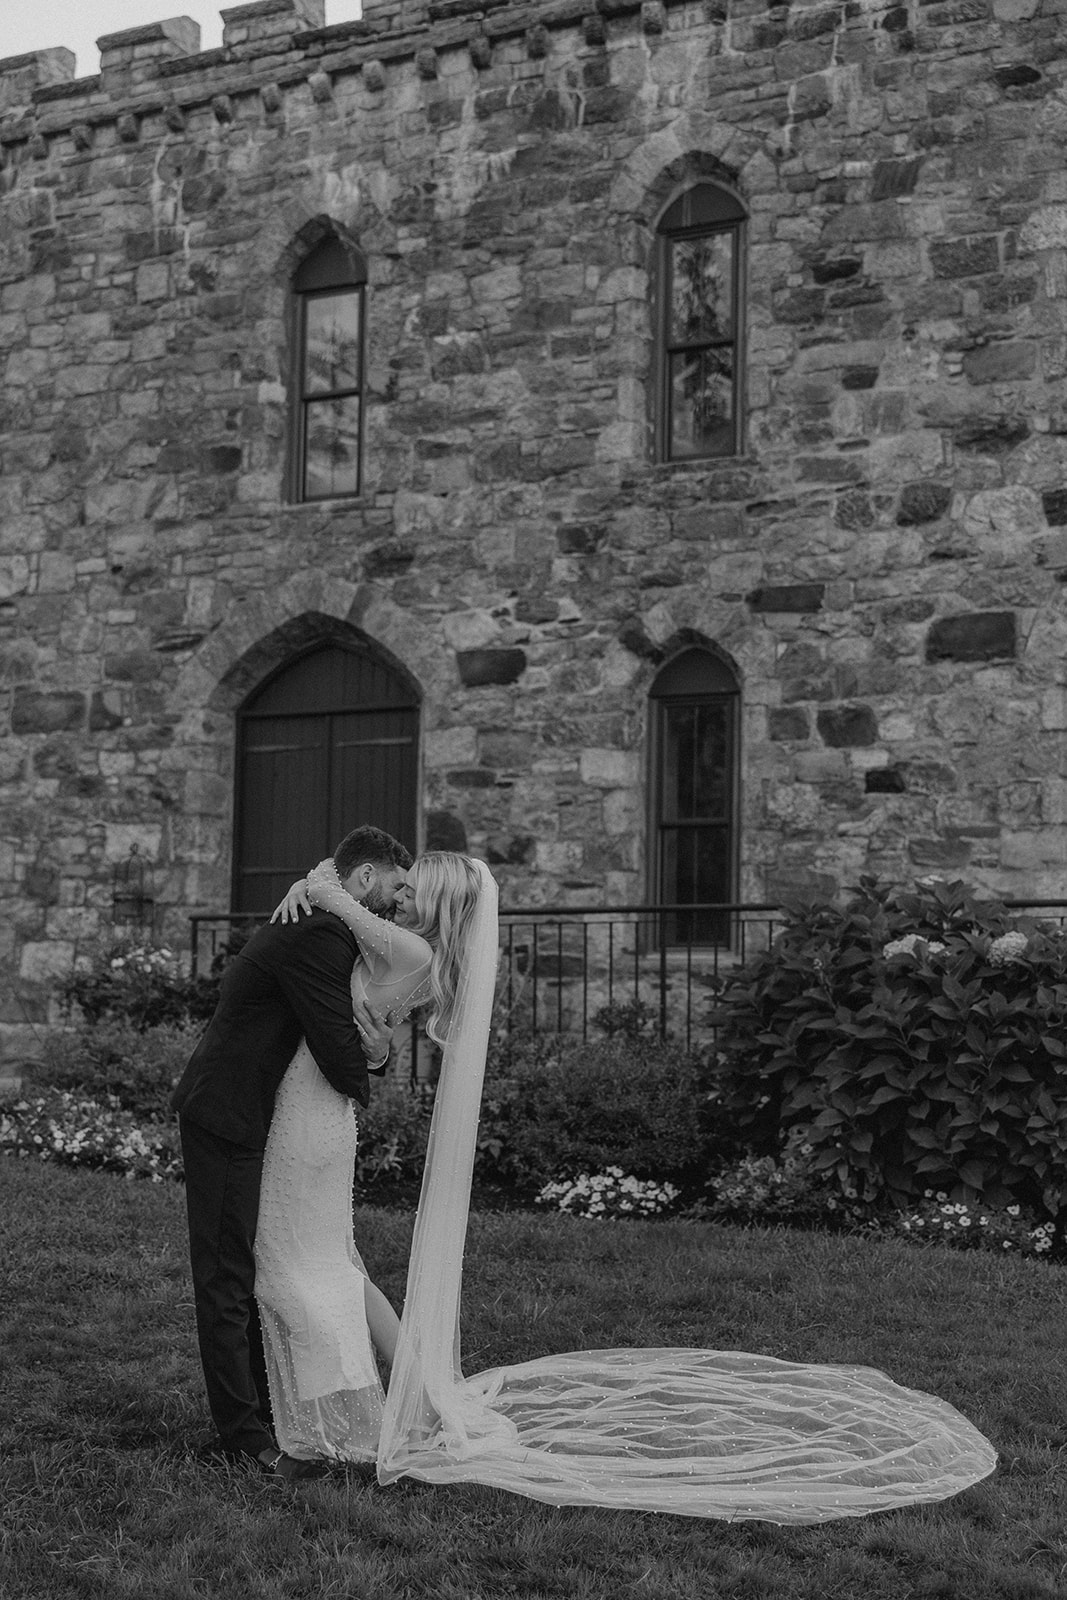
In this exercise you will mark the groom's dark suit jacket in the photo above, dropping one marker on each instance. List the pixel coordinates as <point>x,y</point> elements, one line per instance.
<point>290,980</point>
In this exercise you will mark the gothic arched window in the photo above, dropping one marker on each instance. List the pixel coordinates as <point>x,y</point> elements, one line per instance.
<point>700,242</point>
<point>695,703</point>
<point>329,302</point>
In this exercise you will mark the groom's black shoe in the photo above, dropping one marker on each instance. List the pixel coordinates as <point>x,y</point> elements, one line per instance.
<point>276,1464</point>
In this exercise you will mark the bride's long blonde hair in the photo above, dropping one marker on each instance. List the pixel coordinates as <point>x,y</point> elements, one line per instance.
<point>446,886</point>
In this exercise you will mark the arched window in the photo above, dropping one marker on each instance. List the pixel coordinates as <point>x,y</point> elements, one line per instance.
<point>700,240</point>
<point>695,704</point>
<point>330,741</point>
<point>329,294</point>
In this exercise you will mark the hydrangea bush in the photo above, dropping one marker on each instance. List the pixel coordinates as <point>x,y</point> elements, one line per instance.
<point>914,1039</point>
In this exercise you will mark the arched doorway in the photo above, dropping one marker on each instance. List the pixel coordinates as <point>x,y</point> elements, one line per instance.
<point>329,741</point>
<point>694,705</point>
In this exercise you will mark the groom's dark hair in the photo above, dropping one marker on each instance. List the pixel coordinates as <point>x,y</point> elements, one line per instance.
<point>369,844</point>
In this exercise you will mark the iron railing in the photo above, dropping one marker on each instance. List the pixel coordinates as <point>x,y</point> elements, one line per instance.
<point>562,966</point>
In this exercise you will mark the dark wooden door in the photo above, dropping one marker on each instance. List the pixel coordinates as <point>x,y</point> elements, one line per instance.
<point>328,743</point>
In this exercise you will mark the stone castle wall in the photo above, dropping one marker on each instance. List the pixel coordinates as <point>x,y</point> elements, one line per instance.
<point>885,563</point>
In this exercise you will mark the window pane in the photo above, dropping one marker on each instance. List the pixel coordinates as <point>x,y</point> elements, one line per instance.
<point>331,343</point>
<point>695,868</point>
<point>331,450</point>
<point>702,403</point>
<point>697,761</point>
<point>702,289</point>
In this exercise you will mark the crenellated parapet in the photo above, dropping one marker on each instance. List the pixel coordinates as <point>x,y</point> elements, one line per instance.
<point>271,47</point>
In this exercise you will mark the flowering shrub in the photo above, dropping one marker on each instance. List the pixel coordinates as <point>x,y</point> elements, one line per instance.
<point>913,1038</point>
<point>79,1132</point>
<point>141,983</point>
<point>608,1195</point>
<point>939,1220</point>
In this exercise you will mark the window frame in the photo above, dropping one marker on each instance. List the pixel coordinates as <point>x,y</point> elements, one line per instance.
<point>332,268</point>
<point>718,211</point>
<point>720,686</point>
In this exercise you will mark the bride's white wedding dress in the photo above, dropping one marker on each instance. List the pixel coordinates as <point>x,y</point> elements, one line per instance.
<point>325,1389</point>
<point>693,1432</point>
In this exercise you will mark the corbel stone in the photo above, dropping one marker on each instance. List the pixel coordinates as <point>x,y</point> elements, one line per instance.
<point>38,147</point>
<point>481,51</point>
<point>82,134</point>
<point>653,16</point>
<point>321,86</point>
<point>127,127</point>
<point>537,41</point>
<point>222,106</point>
<point>374,75</point>
<point>271,97</point>
<point>594,28</point>
<point>174,117</point>
<point>426,61</point>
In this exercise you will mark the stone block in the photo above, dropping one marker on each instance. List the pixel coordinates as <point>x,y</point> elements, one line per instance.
<point>445,831</point>
<point>485,667</point>
<point>965,258</point>
<point>608,769</point>
<point>844,726</point>
<point>1054,502</point>
<point>46,961</point>
<point>1009,362</point>
<point>923,502</point>
<point>470,630</point>
<point>450,747</point>
<point>46,711</point>
<point>977,636</point>
<point>793,597</point>
<point>948,855</point>
<point>788,723</point>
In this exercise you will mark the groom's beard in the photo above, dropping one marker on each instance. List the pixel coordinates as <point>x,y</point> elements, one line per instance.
<point>380,904</point>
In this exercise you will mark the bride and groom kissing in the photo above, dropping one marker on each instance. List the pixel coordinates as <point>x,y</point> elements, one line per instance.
<point>291,1329</point>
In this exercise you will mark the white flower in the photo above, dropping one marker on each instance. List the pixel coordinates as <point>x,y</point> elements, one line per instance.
<point>1009,947</point>
<point>911,944</point>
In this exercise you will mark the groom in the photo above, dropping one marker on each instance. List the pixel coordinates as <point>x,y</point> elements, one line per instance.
<point>291,980</point>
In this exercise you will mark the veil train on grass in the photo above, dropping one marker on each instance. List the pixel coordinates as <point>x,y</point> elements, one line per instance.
<point>703,1433</point>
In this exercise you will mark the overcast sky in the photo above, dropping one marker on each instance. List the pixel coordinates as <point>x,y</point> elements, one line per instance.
<point>77,24</point>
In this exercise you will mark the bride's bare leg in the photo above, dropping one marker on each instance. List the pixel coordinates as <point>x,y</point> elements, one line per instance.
<point>383,1322</point>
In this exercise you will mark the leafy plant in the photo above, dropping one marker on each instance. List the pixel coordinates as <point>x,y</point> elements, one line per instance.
<point>393,1131</point>
<point>555,1105</point>
<point>116,1059</point>
<point>914,1039</point>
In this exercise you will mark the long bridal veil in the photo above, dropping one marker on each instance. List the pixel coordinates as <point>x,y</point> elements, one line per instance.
<point>695,1432</point>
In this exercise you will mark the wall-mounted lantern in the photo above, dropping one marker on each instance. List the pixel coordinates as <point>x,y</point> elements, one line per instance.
<point>132,903</point>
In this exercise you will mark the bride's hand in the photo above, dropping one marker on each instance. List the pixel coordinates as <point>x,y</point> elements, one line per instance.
<point>289,909</point>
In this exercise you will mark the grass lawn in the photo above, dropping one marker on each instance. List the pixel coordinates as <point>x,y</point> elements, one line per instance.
<point>107,1486</point>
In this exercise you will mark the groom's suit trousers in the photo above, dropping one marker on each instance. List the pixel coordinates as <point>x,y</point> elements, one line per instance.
<point>222,1198</point>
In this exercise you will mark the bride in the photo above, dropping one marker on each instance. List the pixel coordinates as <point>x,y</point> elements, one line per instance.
<point>694,1432</point>
<point>321,1316</point>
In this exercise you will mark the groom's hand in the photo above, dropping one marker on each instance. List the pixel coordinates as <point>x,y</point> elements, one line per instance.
<point>376,1034</point>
